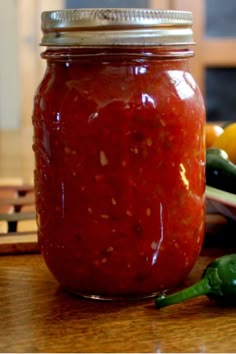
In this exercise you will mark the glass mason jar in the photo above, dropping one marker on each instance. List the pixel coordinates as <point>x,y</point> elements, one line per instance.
<point>119,149</point>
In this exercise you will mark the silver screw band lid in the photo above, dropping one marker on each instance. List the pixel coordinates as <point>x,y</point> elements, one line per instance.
<point>117,27</point>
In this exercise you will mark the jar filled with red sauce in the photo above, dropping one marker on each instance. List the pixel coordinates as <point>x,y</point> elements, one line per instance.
<point>119,151</point>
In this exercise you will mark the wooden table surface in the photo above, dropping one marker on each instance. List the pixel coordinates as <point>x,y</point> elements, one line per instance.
<point>38,316</point>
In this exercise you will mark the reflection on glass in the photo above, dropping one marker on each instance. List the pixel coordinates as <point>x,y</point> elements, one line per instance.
<point>183,83</point>
<point>183,176</point>
<point>147,99</point>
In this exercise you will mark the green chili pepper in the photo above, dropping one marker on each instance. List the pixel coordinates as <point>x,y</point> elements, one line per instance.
<point>220,172</point>
<point>216,151</point>
<point>218,282</point>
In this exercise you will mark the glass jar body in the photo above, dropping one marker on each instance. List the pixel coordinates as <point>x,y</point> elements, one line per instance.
<point>119,176</point>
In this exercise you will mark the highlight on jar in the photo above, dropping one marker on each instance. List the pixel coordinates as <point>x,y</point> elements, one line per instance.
<point>119,146</point>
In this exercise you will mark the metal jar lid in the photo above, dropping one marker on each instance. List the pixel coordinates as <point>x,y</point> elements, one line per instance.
<point>116,27</point>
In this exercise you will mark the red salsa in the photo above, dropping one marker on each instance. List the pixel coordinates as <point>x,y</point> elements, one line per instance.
<point>119,177</point>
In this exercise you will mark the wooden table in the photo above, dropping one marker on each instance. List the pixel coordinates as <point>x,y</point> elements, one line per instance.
<point>38,316</point>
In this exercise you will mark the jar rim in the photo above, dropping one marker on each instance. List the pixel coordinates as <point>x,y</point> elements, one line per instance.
<point>117,27</point>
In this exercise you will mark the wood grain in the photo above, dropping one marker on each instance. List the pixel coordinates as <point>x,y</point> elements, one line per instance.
<point>38,316</point>
<point>28,200</point>
<point>20,243</point>
<point>18,216</point>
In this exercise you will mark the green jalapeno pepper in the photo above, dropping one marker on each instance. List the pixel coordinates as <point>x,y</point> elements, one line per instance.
<point>217,151</point>
<point>218,282</point>
<point>220,172</point>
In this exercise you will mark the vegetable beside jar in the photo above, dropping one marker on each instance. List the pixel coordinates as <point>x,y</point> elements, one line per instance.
<point>119,152</point>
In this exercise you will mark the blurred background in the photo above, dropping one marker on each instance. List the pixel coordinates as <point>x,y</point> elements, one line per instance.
<point>214,65</point>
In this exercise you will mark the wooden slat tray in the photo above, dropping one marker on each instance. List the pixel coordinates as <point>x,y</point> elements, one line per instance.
<point>18,229</point>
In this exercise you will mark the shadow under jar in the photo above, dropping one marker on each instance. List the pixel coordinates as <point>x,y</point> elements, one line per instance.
<point>119,150</point>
